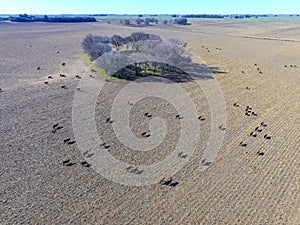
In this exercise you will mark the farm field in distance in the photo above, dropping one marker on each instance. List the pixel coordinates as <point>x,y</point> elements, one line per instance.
<point>256,64</point>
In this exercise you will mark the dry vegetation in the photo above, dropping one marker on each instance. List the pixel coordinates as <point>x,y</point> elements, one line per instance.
<point>242,186</point>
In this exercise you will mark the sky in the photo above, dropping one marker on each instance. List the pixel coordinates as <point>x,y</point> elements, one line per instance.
<point>150,6</point>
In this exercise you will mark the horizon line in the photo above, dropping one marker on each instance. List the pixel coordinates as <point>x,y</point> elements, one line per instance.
<point>153,14</point>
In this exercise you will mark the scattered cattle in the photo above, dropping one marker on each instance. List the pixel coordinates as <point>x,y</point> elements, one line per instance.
<point>179,117</point>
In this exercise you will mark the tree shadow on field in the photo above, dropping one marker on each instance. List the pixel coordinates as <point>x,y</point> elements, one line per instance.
<point>216,70</point>
<point>177,74</point>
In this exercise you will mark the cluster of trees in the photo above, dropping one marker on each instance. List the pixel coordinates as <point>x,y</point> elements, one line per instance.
<point>181,21</point>
<point>203,16</point>
<point>95,45</point>
<point>245,16</point>
<point>3,18</point>
<point>139,21</point>
<point>22,18</point>
<point>98,15</point>
<point>52,19</point>
<point>139,54</point>
<point>148,21</point>
<point>125,22</point>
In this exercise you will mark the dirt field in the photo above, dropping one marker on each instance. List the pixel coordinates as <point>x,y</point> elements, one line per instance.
<point>240,186</point>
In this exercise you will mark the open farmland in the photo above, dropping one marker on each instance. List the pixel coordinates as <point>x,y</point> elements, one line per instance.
<point>256,65</point>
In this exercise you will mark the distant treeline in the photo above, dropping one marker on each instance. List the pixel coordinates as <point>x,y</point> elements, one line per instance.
<point>246,16</point>
<point>152,21</point>
<point>53,19</point>
<point>203,16</point>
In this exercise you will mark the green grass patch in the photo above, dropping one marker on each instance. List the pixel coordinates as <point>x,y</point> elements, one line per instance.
<point>86,59</point>
<point>99,72</point>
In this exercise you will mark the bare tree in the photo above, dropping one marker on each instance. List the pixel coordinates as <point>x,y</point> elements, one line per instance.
<point>98,50</point>
<point>147,21</point>
<point>170,55</point>
<point>153,20</point>
<point>142,36</point>
<point>132,40</point>
<point>145,46</point>
<point>181,21</point>
<point>117,41</point>
<point>94,47</point>
<point>103,39</point>
<point>126,22</point>
<point>177,42</point>
<point>92,39</point>
<point>139,21</point>
<point>150,20</point>
<point>112,62</point>
<point>128,39</point>
<point>139,36</point>
<point>154,37</point>
<point>87,42</point>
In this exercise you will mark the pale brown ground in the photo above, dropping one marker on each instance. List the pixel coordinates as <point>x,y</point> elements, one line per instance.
<point>238,188</point>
